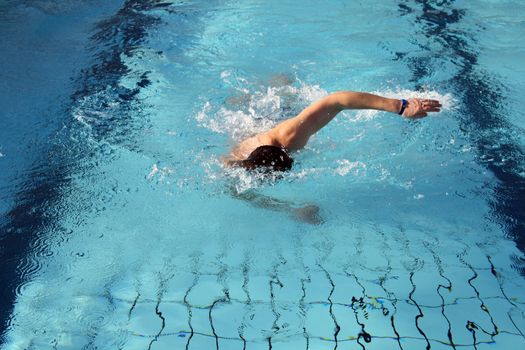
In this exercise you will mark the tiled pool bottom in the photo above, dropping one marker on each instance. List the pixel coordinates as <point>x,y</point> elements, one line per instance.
<point>303,301</point>
<point>322,309</point>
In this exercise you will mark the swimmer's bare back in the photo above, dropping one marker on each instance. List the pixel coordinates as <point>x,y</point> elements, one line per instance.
<point>293,134</point>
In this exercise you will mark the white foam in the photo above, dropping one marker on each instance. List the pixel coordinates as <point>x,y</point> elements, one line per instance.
<point>160,173</point>
<point>154,170</point>
<point>346,166</point>
<point>258,112</point>
<point>304,173</point>
<point>242,179</point>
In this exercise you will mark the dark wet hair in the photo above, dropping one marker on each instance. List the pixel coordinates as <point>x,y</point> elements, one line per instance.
<point>268,158</point>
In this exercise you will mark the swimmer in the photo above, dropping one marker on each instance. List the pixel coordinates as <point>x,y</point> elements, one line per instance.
<point>270,150</point>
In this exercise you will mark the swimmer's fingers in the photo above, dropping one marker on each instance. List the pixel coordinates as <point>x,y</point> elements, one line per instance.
<point>419,108</point>
<point>414,109</point>
<point>430,105</point>
<point>428,102</point>
<point>431,109</point>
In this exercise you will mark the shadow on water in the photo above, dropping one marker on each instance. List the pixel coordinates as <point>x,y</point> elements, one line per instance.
<point>35,210</point>
<point>481,114</point>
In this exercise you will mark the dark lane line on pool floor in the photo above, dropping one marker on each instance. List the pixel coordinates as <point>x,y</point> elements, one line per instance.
<point>195,262</point>
<point>38,206</point>
<point>358,304</point>
<point>23,227</point>
<point>337,327</point>
<point>420,314</point>
<point>438,263</point>
<point>480,116</point>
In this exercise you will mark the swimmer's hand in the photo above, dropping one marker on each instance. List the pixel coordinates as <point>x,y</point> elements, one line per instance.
<point>308,214</point>
<point>419,108</point>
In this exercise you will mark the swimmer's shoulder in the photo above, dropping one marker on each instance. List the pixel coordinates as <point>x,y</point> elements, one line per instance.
<point>243,149</point>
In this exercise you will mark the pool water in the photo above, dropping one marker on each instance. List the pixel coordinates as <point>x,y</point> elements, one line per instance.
<point>121,229</point>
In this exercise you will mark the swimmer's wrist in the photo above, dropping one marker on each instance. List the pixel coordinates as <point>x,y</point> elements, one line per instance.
<point>393,105</point>
<point>403,104</point>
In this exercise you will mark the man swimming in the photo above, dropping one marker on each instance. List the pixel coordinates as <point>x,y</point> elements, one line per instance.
<point>269,150</point>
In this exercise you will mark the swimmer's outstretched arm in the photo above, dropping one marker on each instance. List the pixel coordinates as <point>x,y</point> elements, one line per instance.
<point>295,132</point>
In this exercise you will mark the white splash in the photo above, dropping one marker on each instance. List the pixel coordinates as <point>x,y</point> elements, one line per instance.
<point>346,166</point>
<point>255,112</point>
<point>160,173</point>
<point>154,170</point>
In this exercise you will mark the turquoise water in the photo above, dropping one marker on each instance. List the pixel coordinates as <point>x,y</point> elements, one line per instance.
<point>121,229</point>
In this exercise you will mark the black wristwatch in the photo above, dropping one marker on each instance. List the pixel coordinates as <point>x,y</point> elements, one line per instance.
<point>404,104</point>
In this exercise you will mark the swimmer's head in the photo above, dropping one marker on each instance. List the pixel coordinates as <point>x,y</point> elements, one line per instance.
<point>268,158</point>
